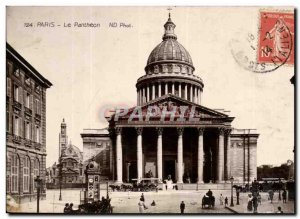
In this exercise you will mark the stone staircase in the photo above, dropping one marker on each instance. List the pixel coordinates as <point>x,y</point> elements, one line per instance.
<point>205,186</point>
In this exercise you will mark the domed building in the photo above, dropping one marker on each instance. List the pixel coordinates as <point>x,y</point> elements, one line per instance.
<point>71,160</point>
<point>170,134</point>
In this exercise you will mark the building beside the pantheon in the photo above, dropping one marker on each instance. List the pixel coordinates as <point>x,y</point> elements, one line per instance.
<point>182,138</point>
<point>70,167</point>
<point>25,127</point>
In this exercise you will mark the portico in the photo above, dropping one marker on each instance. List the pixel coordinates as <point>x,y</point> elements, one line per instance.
<point>183,149</point>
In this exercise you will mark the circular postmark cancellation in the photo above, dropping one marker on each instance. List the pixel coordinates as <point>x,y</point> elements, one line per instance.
<point>270,48</point>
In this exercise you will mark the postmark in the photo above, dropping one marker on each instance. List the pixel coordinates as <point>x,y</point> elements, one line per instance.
<point>269,49</point>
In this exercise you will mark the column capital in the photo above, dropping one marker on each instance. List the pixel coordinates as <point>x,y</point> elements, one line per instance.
<point>200,130</point>
<point>159,130</point>
<point>118,130</point>
<point>221,130</point>
<point>139,130</point>
<point>228,131</point>
<point>180,130</point>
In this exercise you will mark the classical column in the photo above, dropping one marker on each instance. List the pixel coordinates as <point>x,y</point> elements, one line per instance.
<point>228,154</point>
<point>148,94</point>
<point>144,95</point>
<point>166,88</point>
<point>179,89</point>
<point>159,89</point>
<point>191,93</point>
<point>159,153</point>
<point>153,91</point>
<point>139,131</point>
<point>119,155</point>
<point>199,93</point>
<point>195,94</point>
<point>173,88</point>
<point>200,155</point>
<point>221,156</point>
<point>138,96</point>
<point>180,156</point>
<point>185,92</point>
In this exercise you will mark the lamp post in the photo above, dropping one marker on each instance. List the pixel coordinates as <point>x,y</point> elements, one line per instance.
<point>107,190</point>
<point>237,196</point>
<point>60,178</point>
<point>231,200</point>
<point>38,184</point>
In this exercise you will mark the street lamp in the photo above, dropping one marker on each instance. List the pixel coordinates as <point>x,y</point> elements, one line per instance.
<point>237,196</point>
<point>60,178</point>
<point>231,200</point>
<point>38,185</point>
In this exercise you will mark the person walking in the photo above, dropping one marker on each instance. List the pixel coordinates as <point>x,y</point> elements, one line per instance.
<point>226,201</point>
<point>66,209</point>
<point>255,204</point>
<point>142,197</point>
<point>271,195</point>
<point>182,207</point>
<point>221,199</point>
<point>284,196</point>
<point>249,205</point>
<point>141,206</point>
<point>279,211</point>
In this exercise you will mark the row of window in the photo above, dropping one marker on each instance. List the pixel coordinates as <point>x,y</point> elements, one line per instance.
<point>18,96</point>
<point>30,132</point>
<point>16,171</point>
<point>12,68</point>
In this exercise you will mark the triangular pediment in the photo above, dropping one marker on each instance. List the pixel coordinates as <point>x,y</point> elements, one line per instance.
<point>171,104</point>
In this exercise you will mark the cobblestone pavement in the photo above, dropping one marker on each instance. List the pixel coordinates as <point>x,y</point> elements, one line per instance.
<point>127,202</point>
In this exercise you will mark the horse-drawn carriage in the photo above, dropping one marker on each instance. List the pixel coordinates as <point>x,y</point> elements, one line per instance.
<point>208,201</point>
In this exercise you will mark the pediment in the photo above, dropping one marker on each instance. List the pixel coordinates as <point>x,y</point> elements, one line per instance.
<point>169,104</point>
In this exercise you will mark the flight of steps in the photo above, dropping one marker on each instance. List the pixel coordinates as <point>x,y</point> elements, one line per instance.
<point>205,186</point>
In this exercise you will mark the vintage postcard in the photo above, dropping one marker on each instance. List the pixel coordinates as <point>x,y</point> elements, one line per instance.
<point>150,110</point>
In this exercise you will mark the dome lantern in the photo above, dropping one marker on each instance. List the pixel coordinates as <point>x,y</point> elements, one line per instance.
<point>169,29</point>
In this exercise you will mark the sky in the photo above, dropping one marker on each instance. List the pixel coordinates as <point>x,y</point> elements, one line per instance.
<point>95,68</point>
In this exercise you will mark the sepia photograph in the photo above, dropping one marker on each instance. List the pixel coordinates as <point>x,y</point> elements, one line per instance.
<point>150,110</point>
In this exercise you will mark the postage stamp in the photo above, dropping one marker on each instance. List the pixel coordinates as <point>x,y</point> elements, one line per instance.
<point>268,49</point>
<point>276,38</point>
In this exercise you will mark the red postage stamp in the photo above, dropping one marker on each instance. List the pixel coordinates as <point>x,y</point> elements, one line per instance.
<point>276,38</point>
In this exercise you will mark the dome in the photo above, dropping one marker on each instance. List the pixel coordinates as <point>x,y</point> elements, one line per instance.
<point>72,151</point>
<point>169,50</point>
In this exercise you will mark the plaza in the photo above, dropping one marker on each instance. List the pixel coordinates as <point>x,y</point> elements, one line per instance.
<point>127,202</point>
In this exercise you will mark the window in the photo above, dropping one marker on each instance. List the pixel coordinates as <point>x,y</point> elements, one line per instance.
<point>15,174</point>
<point>17,126</point>
<point>36,171</point>
<point>7,121</point>
<point>8,86</point>
<point>37,134</point>
<point>26,174</point>
<point>27,100</point>
<point>9,67</point>
<point>37,107</point>
<point>16,93</point>
<point>27,128</point>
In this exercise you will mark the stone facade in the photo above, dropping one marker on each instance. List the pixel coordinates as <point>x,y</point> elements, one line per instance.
<point>25,127</point>
<point>97,146</point>
<point>200,150</point>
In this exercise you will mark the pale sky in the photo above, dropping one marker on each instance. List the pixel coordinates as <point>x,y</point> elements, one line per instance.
<point>92,68</point>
